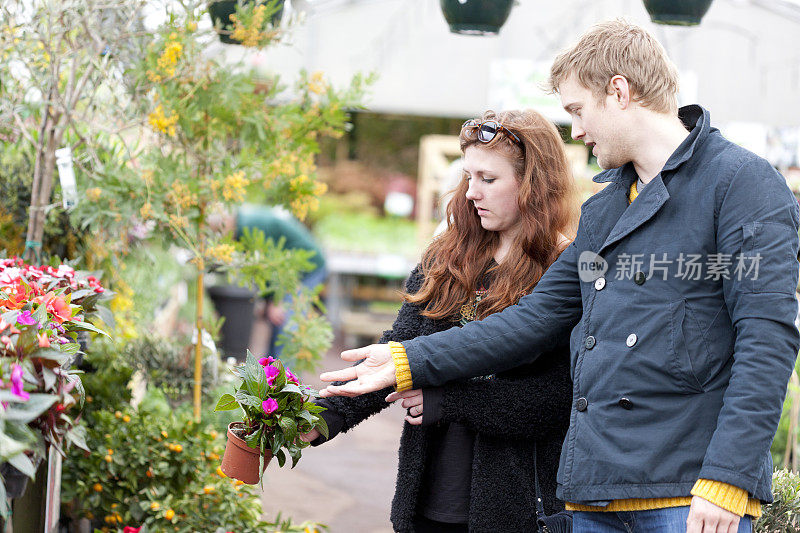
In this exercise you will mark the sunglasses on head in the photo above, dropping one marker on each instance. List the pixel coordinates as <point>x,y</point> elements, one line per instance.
<point>489,129</point>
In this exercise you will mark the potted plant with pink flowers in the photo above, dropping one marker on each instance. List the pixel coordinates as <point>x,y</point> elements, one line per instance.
<point>276,409</point>
<point>42,311</point>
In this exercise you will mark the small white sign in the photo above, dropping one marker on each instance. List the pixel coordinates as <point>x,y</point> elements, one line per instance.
<point>519,84</point>
<point>66,175</point>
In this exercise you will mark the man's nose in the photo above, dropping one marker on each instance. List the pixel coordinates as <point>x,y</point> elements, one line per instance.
<point>577,131</point>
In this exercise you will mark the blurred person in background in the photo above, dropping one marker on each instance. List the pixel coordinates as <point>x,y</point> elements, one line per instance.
<point>473,452</point>
<point>276,223</point>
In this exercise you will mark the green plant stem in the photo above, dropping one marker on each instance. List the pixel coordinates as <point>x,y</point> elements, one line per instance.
<point>198,347</point>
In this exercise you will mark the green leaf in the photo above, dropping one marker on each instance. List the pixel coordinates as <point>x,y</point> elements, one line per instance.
<point>313,408</point>
<point>226,403</point>
<point>10,446</point>
<point>254,439</point>
<point>71,348</point>
<point>90,298</point>
<point>281,457</point>
<point>82,293</point>
<point>30,409</point>
<point>51,354</point>
<point>239,371</point>
<point>255,381</point>
<point>49,378</point>
<point>291,388</point>
<point>86,326</point>
<point>72,377</point>
<point>22,463</point>
<point>289,428</point>
<point>277,442</point>
<point>308,417</point>
<point>322,427</point>
<point>243,397</point>
<point>105,314</point>
<point>77,436</point>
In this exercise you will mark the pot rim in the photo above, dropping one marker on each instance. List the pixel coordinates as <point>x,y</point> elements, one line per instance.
<point>240,443</point>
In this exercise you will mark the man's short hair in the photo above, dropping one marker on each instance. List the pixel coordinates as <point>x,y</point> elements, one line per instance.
<point>618,47</point>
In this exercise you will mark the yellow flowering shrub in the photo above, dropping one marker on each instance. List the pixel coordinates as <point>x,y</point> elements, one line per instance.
<point>212,140</point>
<point>252,26</point>
<point>161,122</point>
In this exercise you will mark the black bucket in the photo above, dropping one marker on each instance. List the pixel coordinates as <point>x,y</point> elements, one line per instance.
<point>236,305</point>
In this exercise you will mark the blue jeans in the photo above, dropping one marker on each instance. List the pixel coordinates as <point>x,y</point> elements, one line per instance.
<point>668,520</point>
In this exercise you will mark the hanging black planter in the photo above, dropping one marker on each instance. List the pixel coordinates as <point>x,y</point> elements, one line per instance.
<point>476,17</point>
<point>677,12</point>
<point>221,12</point>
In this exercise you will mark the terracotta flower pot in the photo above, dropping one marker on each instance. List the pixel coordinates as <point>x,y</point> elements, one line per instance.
<point>240,460</point>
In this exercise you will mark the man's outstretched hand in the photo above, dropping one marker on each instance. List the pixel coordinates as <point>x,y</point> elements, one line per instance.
<point>376,372</point>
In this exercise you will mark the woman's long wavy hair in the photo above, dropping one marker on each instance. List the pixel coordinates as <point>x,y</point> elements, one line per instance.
<point>456,262</point>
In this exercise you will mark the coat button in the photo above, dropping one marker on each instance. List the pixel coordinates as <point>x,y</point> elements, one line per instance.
<point>590,342</point>
<point>631,340</point>
<point>581,404</point>
<point>599,283</point>
<point>626,403</point>
<point>639,278</point>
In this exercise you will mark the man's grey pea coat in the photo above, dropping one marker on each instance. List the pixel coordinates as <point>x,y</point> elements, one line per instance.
<point>681,309</point>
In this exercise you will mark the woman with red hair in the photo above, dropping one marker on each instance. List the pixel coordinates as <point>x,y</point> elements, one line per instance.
<point>477,455</point>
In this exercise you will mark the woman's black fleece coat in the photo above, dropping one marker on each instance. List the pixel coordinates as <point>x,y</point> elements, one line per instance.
<point>507,413</point>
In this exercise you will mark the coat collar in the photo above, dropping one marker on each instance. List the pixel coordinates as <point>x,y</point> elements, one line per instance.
<point>696,119</point>
<point>610,219</point>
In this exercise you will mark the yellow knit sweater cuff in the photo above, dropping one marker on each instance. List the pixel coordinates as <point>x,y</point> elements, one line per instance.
<point>716,492</point>
<point>402,372</point>
<point>727,496</point>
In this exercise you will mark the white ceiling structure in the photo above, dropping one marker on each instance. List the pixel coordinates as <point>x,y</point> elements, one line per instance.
<point>742,62</point>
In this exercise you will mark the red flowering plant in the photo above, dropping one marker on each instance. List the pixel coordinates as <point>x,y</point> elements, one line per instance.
<point>84,288</point>
<point>42,311</point>
<point>276,409</point>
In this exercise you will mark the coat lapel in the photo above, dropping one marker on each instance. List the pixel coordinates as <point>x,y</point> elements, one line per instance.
<point>646,205</point>
<point>600,217</point>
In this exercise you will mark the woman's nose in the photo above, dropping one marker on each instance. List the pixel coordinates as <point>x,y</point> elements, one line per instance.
<point>472,192</point>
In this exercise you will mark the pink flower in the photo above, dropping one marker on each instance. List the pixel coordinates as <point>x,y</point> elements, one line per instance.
<point>16,382</point>
<point>129,529</point>
<point>291,377</point>
<point>44,341</point>
<point>57,306</point>
<point>269,405</point>
<point>26,319</point>
<point>271,372</point>
<point>264,361</point>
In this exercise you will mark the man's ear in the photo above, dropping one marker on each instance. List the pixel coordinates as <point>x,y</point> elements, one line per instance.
<point>620,91</point>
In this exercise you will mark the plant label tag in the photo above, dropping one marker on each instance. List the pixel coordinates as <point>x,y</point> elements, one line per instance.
<point>207,340</point>
<point>66,175</point>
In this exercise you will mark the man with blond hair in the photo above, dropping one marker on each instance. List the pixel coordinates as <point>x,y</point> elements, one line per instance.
<point>677,294</point>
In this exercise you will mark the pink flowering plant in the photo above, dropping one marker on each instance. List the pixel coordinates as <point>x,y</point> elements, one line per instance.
<point>276,408</point>
<point>84,288</point>
<point>42,311</point>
